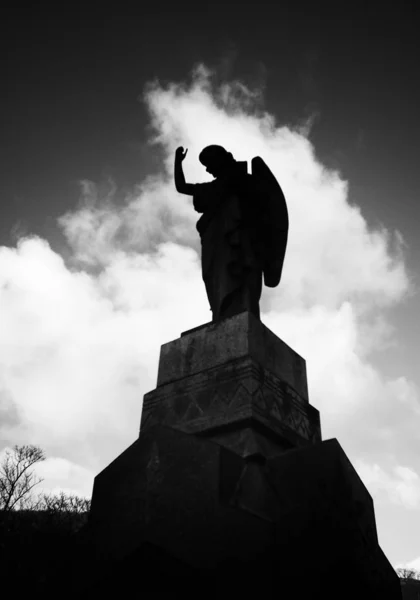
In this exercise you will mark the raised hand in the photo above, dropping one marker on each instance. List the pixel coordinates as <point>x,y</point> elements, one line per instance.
<point>180,154</point>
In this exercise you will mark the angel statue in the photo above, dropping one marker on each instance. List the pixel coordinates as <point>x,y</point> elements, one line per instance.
<point>243,229</point>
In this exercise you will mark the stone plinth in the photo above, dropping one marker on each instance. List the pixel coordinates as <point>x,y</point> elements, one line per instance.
<point>301,523</point>
<point>237,383</point>
<point>216,344</point>
<point>229,487</point>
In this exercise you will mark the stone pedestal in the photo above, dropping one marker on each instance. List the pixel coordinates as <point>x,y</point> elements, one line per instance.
<point>236,383</point>
<point>229,488</point>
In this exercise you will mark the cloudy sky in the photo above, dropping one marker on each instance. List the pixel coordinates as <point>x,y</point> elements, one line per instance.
<point>99,256</point>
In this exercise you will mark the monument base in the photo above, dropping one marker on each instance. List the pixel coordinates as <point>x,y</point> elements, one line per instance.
<point>237,383</point>
<point>229,487</point>
<point>176,512</point>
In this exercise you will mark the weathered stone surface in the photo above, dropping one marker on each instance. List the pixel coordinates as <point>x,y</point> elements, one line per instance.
<point>237,383</point>
<point>236,337</point>
<point>229,486</point>
<point>164,489</point>
<point>233,403</point>
<point>235,524</point>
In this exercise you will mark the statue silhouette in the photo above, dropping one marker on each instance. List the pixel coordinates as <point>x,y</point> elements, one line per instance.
<point>243,229</point>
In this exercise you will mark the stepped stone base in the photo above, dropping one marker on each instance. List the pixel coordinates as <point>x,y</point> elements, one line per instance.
<point>229,488</point>
<point>300,523</point>
<point>236,383</point>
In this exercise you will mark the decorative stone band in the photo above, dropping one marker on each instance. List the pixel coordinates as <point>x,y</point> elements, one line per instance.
<point>217,343</point>
<point>239,404</point>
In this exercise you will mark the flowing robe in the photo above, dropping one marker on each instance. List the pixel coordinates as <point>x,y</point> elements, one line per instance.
<point>231,242</point>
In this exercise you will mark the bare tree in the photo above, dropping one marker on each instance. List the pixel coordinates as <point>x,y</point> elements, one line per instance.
<point>404,573</point>
<point>64,511</point>
<point>17,477</point>
<point>39,533</point>
<point>63,502</point>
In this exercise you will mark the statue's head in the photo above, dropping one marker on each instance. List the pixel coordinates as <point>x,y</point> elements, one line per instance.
<point>216,159</point>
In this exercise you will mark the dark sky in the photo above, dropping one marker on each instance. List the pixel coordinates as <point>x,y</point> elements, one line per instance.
<point>72,77</point>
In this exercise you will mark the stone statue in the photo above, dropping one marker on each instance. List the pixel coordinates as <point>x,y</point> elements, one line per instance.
<point>243,229</point>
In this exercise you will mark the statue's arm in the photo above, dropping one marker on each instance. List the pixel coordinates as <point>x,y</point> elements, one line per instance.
<point>180,184</point>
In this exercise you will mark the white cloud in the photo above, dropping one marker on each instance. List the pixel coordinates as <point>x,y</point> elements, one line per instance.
<point>412,564</point>
<point>79,351</point>
<point>332,255</point>
<point>80,340</point>
<point>399,484</point>
<point>60,474</point>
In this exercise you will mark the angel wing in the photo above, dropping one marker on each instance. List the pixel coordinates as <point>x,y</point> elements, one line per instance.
<point>274,221</point>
